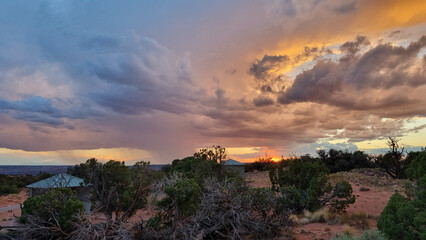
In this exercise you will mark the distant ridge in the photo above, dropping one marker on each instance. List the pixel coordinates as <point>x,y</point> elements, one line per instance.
<point>52,169</point>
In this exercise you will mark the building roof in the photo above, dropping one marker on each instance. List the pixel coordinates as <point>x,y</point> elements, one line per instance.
<point>232,162</point>
<point>61,180</point>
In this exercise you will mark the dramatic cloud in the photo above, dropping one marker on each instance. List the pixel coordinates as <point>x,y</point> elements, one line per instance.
<point>162,79</point>
<point>346,7</point>
<point>263,101</point>
<point>262,68</point>
<point>365,81</point>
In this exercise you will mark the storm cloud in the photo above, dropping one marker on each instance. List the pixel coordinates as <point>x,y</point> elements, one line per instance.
<point>100,74</point>
<point>354,81</point>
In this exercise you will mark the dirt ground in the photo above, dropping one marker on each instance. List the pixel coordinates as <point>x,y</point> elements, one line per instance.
<point>10,207</point>
<point>372,189</point>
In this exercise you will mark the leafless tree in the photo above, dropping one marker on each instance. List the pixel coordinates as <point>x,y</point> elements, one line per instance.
<point>223,214</point>
<point>396,148</point>
<point>85,228</point>
<point>393,161</point>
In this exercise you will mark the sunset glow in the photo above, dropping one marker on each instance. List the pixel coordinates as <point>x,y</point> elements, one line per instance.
<point>157,81</point>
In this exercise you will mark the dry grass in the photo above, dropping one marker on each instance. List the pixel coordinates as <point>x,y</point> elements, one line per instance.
<point>320,215</point>
<point>348,230</point>
<point>358,220</point>
<point>369,178</point>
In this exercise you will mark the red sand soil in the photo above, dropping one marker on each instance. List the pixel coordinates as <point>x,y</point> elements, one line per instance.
<point>10,208</point>
<point>370,202</point>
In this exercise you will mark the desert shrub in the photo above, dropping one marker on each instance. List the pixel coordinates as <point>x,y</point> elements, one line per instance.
<point>405,217</point>
<point>303,185</point>
<point>319,216</point>
<point>348,230</point>
<point>182,198</point>
<point>8,189</point>
<point>13,184</point>
<point>366,235</point>
<point>51,214</point>
<point>337,160</point>
<point>417,168</point>
<point>117,188</point>
<point>196,168</point>
<point>340,197</point>
<point>207,163</point>
<point>228,211</point>
<point>359,220</point>
<point>261,164</point>
<point>260,200</point>
<point>219,209</point>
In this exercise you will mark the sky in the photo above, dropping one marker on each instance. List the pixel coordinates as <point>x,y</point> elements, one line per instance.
<point>157,80</point>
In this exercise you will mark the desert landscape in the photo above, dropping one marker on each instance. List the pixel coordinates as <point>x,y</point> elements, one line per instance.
<point>213,120</point>
<point>372,188</point>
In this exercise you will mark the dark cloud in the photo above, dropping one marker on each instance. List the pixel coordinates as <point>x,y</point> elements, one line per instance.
<point>355,82</point>
<point>41,110</point>
<point>38,118</point>
<point>266,88</point>
<point>352,48</point>
<point>129,74</point>
<point>346,7</point>
<point>261,68</point>
<point>395,33</point>
<point>315,84</point>
<point>120,76</point>
<point>312,52</point>
<point>32,104</point>
<point>262,101</point>
<point>387,66</point>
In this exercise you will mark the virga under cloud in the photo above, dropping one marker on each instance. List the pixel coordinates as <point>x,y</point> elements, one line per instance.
<point>167,78</point>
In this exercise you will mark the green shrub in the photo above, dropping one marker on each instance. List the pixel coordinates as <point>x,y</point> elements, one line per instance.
<point>58,207</point>
<point>261,164</point>
<point>117,188</point>
<point>182,198</point>
<point>13,184</point>
<point>303,184</point>
<point>341,196</point>
<point>196,168</point>
<point>405,217</point>
<point>9,189</point>
<point>417,168</point>
<point>337,160</point>
<point>261,200</point>
<point>205,164</point>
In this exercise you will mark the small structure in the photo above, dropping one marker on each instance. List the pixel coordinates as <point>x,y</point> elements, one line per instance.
<point>235,166</point>
<point>62,180</point>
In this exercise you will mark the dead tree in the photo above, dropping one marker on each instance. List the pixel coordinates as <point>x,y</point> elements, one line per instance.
<point>393,161</point>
